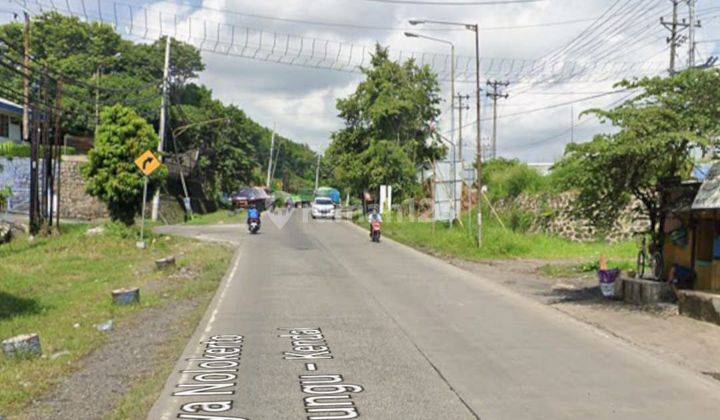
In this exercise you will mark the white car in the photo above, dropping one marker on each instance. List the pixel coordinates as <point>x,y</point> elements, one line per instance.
<point>323,207</point>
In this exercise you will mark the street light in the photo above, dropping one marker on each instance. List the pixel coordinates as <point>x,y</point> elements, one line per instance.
<point>452,83</point>
<point>478,160</point>
<point>452,111</point>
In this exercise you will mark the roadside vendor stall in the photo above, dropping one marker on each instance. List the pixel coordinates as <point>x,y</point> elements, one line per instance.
<point>692,235</point>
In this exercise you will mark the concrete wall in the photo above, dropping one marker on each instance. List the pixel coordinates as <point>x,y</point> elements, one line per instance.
<point>699,305</point>
<point>15,173</point>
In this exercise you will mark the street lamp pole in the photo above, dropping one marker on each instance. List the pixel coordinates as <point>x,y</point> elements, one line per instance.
<point>478,159</point>
<point>452,113</point>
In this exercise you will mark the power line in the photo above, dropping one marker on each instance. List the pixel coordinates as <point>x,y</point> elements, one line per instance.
<point>455,3</point>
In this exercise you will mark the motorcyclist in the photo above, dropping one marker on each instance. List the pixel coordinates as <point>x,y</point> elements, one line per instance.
<point>253,214</point>
<point>374,217</point>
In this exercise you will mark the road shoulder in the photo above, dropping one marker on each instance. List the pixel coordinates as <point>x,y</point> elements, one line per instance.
<point>660,331</point>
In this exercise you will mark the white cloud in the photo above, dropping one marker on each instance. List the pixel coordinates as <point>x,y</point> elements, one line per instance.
<point>301,101</point>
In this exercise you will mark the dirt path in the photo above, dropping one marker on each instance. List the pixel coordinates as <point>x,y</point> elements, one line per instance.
<point>133,351</point>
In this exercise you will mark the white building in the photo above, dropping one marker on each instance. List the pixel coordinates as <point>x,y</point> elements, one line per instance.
<point>10,121</point>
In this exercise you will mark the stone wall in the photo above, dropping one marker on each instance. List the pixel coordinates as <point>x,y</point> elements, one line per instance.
<point>555,215</point>
<point>75,203</point>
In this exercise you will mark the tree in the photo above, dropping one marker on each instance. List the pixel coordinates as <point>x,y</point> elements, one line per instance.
<point>111,174</point>
<point>660,131</point>
<point>393,105</point>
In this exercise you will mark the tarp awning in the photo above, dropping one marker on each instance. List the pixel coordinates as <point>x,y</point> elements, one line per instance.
<point>708,198</point>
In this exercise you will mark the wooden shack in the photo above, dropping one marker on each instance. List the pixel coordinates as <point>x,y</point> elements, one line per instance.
<point>692,232</point>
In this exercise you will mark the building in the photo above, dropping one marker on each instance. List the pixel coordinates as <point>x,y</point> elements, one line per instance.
<point>10,121</point>
<point>692,230</point>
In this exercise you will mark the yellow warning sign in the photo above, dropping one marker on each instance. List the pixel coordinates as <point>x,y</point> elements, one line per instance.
<point>147,163</point>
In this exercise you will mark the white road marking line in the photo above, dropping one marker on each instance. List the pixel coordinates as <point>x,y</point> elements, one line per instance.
<point>211,321</point>
<point>310,366</point>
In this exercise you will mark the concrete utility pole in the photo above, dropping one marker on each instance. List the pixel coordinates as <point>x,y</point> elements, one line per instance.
<point>572,123</point>
<point>26,79</point>
<point>674,27</point>
<point>462,107</point>
<point>161,129</point>
<point>270,158</point>
<point>495,95</point>
<point>691,33</point>
<point>317,174</point>
<point>478,159</point>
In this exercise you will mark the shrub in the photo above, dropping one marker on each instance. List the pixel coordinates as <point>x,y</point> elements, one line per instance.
<point>111,173</point>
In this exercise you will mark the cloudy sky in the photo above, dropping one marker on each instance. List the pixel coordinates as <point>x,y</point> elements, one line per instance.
<point>608,39</point>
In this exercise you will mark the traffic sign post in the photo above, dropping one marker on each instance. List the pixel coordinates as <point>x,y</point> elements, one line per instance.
<point>142,244</point>
<point>147,163</point>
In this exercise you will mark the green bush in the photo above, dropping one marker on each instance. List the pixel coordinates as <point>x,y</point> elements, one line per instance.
<point>520,220</point>
<point>510,178</point>
<point>11,150</point>
<point>5,193</point>
<point>22,150</point>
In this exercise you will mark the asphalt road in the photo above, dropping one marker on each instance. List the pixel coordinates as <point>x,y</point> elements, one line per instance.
<point>315,321</point>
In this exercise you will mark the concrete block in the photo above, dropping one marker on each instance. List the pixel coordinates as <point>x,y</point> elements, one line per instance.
<point>27,345</point>
<point>126,296</point>
<point>646,292</point>
<point>165,263</point>
<point>699,305</point>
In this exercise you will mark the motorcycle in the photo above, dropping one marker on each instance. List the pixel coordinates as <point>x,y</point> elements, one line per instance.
<point>253,226</point>
<point>375,230</point>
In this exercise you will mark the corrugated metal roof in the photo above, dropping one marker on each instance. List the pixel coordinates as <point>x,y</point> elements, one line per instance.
<point>10,107</point>
<point>708,198</point>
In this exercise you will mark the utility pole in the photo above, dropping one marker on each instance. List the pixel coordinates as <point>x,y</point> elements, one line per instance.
<point>495,95</point>
<point>317,174</point>
<point>270,158</point>
<point>691,33</point>
<point>674,27</point>
<point>478,158</point>
<point>460,98</point>
<point>572,123</point>
<point>30,135</point>
<point>163,123</point>
<point>462,107</point>
<point>26,78</point>
<point>58,145</point>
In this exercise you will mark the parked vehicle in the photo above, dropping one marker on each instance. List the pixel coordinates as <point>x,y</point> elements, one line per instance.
<point>323,208</point>
<point>376,227</point>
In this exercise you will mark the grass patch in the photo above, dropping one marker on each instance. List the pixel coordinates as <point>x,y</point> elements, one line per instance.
<point>498,243</point>
<point>138,401</point>
<point>220,217</point>
<point>50,285</point>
